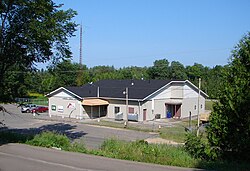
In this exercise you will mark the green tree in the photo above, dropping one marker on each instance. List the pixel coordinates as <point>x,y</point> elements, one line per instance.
<point>160,70</point>
<point>177,70</point>
<point>213,81</point>
<point>229,129</point>
<point>32,31</point>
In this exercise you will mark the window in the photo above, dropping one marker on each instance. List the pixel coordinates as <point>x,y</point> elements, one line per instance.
<point>117,109</point>
<point>201,106</point>
<point>131,110</point>
<point>53,107</point>
<point>194,107</point>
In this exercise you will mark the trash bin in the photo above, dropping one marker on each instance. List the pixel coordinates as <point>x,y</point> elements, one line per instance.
<point>169,115</point>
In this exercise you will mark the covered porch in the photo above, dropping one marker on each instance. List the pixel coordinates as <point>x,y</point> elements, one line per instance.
<point>95,108</point>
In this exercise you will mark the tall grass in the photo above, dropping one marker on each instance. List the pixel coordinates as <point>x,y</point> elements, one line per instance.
<point>139,151</point>
<point>150,153</point>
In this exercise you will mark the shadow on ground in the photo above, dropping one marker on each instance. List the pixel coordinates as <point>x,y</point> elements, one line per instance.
<point>8,135</point>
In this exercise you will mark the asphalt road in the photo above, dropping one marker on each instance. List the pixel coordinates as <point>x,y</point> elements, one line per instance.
<point>92,136</point>
<point>20,157</point>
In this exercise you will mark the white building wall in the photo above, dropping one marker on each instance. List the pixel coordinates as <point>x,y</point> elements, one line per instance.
<point>148,106</point>
<point>66,105</point>
<point>122,105</point>
<point>190,102</point>
<point>162,94</point>
<point>159,107</point>
<point>176,91</point>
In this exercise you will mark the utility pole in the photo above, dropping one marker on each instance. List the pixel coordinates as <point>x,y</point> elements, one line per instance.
<point>126,116</point>
<point>99,111</point>
<point>198,109</point>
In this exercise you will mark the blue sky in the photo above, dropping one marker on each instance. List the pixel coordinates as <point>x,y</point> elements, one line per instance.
<point>137,32</point>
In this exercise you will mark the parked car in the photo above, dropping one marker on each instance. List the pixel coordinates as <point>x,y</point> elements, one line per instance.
<point>40,109</point>
<point>28,108</point>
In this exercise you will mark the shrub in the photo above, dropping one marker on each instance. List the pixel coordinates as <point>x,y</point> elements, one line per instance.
<point>199,148</point>
<point>78,147</point>
<point>50,139</point>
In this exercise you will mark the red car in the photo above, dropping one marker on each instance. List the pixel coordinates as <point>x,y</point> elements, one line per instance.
<point>40,109</point>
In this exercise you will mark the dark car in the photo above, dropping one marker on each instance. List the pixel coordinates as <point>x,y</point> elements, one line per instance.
<point>40,109</point>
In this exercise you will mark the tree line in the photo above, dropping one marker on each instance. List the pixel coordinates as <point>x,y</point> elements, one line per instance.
<point>66,73</point>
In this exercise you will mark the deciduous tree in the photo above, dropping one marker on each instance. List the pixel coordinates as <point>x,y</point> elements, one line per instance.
<point>32,31</point>
<point>229,129</point>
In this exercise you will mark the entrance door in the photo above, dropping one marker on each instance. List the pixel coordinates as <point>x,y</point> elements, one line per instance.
<point>173,110</point>
<point>177,111</point>
<point>144,114</point>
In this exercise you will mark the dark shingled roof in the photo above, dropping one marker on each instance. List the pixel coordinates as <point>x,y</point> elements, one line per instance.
<point>138,89</point>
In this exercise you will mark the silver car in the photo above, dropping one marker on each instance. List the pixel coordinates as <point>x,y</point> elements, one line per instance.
<point>28,108</point>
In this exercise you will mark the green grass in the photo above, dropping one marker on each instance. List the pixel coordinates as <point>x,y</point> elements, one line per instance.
<point>176,133</point>
<point>149,153</point>
<point>209,105</point>
<point>139,151</point>
<point>121,125</point>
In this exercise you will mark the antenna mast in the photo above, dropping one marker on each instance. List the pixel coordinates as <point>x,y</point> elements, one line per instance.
<point>80,60</point>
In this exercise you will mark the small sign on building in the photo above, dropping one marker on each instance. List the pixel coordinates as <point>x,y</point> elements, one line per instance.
<point>53,107</point>
<point>60,109</point>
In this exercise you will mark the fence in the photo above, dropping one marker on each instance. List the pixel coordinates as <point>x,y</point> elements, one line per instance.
<point>42,102</point>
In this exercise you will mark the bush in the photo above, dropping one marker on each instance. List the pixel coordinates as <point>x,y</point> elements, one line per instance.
<point>50,139</point>
<point>199,148</point>
<point>78,147</point>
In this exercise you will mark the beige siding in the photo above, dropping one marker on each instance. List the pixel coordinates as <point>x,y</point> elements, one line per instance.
<point>63,109</point>
<point>160,107</point>
<point>191,105</point>
<point>177,91</point>
<point>122,105</point>
<point>148,106</point>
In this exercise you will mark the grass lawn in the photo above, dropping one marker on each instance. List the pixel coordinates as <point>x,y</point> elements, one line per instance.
<point>175,133</point>
<point>209,105</point>
<point>120,124</point>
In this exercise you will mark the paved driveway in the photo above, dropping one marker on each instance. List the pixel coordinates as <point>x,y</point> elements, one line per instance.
<point>91,135</point>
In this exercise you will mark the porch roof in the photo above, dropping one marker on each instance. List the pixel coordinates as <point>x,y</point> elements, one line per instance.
<point>173,102</point>
<point>94,102</point>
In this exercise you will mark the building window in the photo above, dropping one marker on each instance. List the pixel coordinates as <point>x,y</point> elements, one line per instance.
<point>194,107</point>
<point>53,107</point>
<point>201,106</point>
<point>117,109</point>
<point>131,110</point>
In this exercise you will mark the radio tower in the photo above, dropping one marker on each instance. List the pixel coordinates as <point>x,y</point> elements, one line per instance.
<point>80,59</point>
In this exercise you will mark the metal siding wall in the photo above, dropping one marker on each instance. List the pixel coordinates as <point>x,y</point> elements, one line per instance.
<point>58,101</point>
<point>177,91</point>
<point>160,107</point>
<point>122,105</point>
<point>146,105</point>
<point>189,105</point>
